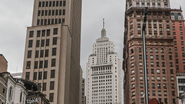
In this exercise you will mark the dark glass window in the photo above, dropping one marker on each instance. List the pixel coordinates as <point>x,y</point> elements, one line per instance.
<point>40,4</point>
<point>45,21</point>
<point>46,3</point>
<point>38,21</point>
<point>45,74</point>
<point>48,23</point>
<point>50,3</point>
<point>55,31</point>
<point>37,43</point>
<point>42,14</point>
<point>28,65</point>
<point>177,67</point>
<point>43,4</point>
<point>51,96</point>
<point>53,62</point>
<point>48,32</point>
<point>41,64</point>
<point>38,33</point>
<point>40,75</point>
<point>44,87</point>
<point>64,3</point>
<point>53,12</point>
<point>52,22</point>
<point>46,64</point>
<point>52,73</point>
<point>57,3</point>
<point>49,12</point>
<point>56,21</point>
<point>36,65</point>
<point>64,12</point>
<point>63,20</point>
<point>29,54</point>
<point>60,3</point>
<point>171,70</point>
<point>183,54</point>
<point>182,43</point>
<point>27,75</point>
<point>47,42</point>
<point>53,3</point>
<point>41,53</point>
<point>30,43</point>
<point>54,40</point>
<point>170,57</point>
<point>35,76</point>
<point>47,53</point>
<point>31,34</point>
<point>36,54</point>
<point>60,12</point>
<point>176,54</point>
<point>52,85</point>
<point>54,51</point>
<point>42,42</point>
<point>43,32</point>
<point>56,12</point>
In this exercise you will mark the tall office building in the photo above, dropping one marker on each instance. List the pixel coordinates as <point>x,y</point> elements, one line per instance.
<point>52,51</point>
<point>103,77</point>
<point>160,53</point>
<point>179,40</point>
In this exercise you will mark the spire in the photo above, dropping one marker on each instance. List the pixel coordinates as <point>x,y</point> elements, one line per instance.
<point>103,31</point>
<point>180,7</point>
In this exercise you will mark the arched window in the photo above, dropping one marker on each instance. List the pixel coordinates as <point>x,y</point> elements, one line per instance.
<point>132,51</point>
<point>10,94</point>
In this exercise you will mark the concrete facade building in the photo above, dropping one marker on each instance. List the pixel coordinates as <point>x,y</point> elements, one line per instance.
<point>52,50</point>
<point>178,38</point>
<point>3,64</point>
<point>103,78</point>
<point>160,54</point>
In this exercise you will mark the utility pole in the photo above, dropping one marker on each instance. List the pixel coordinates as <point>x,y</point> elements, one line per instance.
<point>144,55</point>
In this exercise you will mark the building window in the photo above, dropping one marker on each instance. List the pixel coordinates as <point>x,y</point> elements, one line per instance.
<point>41,64</point>
<point>36,54</point>
<point>45,75</point>
<point>171,70</point>
<point>64,11</point>
<point>36,65</point>
<point>51,96</point>
<point>52,73</point>
<point>27,75</point>
<point>55,31</point>
<point>46,53</point>
<point>37,43</point>
<point>53,62</point>
<point>31,34</point>
<point>44,87</point>
<point>182,43</point>
<point>54,51</point>
<point>29,54</point>
<point>175,43</point>
<point>54,40</point>
<point>35,76</point>
<point>10,94</point>
<point>42,42</point>
<point>47,42</point>
<point>38,33</point>
<point>48,32</point>
<point>40,75</point>
<point>52,85</point>
<point>42,53</point>
<point>30,43</point>
<point>176,61</point>
<point>28,65</point>
<point>46,64</point>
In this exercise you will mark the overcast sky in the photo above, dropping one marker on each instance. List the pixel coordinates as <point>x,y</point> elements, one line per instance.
<point>16,15</point>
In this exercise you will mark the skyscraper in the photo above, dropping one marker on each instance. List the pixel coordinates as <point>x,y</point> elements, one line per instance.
<point>160,53</point>
<point>52,51</point>
<point>178,38</point>
<point>103,73</point>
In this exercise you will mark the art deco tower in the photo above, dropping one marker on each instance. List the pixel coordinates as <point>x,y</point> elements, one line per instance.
<point>52,51</point>
<point>160,52</point>
<point>103,78</point>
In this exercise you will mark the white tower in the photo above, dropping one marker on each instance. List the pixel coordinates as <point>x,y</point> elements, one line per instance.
<point>103,77</point>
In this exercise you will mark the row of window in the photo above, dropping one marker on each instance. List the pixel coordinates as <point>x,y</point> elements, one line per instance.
<point>51,12</point>
<point>50,21</point>
<point>153,85</point>
<point>152,71</point>
<point>151,50</point>
<point>28,64</point>
<point>43,33</point>
<point>42,42</point>
<point>44,86</point>
<point>160,100</point>
<point>54,52</point>
<point>182,43</point>
<point>153,93</point>
<point>53,4</point>
<point>152,57</point>
<point>152,64</point>
<point>180,28</point>
<point>153,78</point>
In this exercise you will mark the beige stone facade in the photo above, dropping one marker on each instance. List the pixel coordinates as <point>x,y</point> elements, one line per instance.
<point>3,64</point>
<point>52,50</point>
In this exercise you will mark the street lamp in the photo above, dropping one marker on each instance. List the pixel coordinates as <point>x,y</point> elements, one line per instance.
<point>144,55</point>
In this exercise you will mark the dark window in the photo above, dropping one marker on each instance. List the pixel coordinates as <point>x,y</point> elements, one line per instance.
<point>163,71</point>
<point>170,57</point>
<point>182,48</point>
<point>63,20</point>
<point>44,87</point>
<point>47,53</point>
<point>42,14</point>
<point>41,53</point>
<point>50,3</point>
<point>40,75</point>
<point>54,40</point>
<point>157,57</point>
<point>42,42</point>
<point>48,21</point>
<point>165,100</point>
<point>43,4</point>
<point>35,76</point>
<point>56,12</point>
<point>36,54</point>
<point>177,67</point>
<point>41,64</point>
<point>52,73</point>
<point>46,3</point>
<point>56,21</point>
<point>180,28</point>
<point>29,54</point>
<point>181,38</point>
<point>60,12</point>
<point>45,21</point>
<point>52,22</point>
<point>47,42</point>
<point>176,54</point>
<point>53,12</point>
<point>37,43</point>
<point>64,12</point>
<point>27,75</point>
<point>171,64</point>
<point>49,12</point>
<point>43,32</point>
<point>41,21</point>
<point>140,56</point>
<point>51,96</point>
<point>174,100</point>
<point>57,3</point>
<point>54,51</point>
<point>64,3</point>
<point>55,31</point>
<point>183,54</point>
<point>46,64</point>
<point>30,43</point>
<point>53,3</point>
<point>162,57</point>
<point>36,65</point>
<point>174,37</point>
<point>53,61</point>
<point>184,67</point>
<point>171,70</point>
<point>45,74</point>
<point>38,33</point>
<point>175,43</point>
<point>3,91</point>
<point>182,43</point>
<point>28,64</point>
<point>40,4</point>
<point>152,71</point>
<point>52,84</point>
<point>31,34</point>
<point>38,21</point>
<point>163,64</point>
<point>59,21</point>
<point>157,64</point>
<point>48,32</point>
<point>174,33</point>
<point>60,3</point>
<point>173,93</point>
